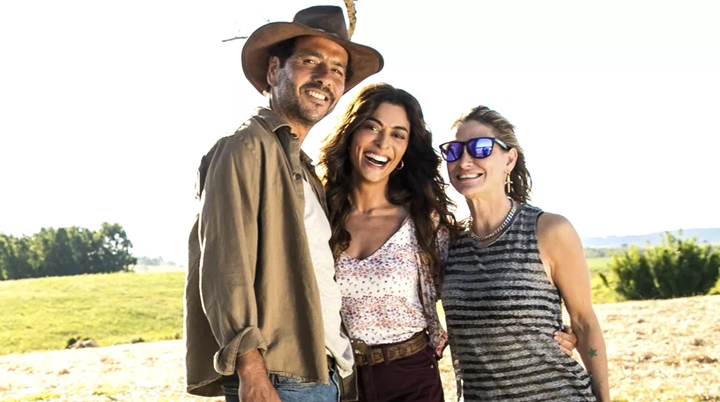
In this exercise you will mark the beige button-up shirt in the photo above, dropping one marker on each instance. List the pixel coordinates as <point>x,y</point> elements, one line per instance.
<point>250,271</point>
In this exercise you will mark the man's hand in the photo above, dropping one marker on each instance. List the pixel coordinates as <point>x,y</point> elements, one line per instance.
<point>566,339</point>
<point>254,384</point>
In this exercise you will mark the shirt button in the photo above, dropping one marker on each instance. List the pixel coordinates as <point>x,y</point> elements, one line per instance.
<point>298,176</point>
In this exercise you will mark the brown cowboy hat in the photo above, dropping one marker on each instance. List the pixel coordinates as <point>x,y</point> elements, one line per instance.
<point>325,21</point>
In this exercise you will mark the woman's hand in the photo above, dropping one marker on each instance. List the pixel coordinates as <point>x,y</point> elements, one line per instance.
<point>566,339</point>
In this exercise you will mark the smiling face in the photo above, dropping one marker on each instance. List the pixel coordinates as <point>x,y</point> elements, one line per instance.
<point>310,83</point>
<point>477,178</point>
<point>379,143</point>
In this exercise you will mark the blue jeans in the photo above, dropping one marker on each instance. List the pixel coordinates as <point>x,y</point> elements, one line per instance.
<point>291,390</point>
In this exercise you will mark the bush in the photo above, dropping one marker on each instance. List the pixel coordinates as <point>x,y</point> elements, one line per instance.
<point>635,279</point>
<point>677,268</point>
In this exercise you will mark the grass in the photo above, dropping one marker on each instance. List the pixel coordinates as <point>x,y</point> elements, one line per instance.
<point>716,289</point>
<point>44,313</point>
<point>109,390</point>
<point>599,264</point>
<point>43,396</point>
<point>600,292</point>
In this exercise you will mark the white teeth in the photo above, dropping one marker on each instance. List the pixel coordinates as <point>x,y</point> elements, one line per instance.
<point>469,176</point>
<point>376,157</point>
<point>316,95</point>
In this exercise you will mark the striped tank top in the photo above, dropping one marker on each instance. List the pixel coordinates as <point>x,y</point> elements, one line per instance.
<point>501,312</point>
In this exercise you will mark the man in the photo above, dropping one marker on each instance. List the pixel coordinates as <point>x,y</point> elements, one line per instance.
<point>262,309</point>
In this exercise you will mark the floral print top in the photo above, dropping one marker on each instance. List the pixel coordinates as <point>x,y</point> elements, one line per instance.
<point>390,295</point>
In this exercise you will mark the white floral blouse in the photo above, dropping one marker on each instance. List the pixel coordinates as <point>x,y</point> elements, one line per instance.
<point>390,295</point>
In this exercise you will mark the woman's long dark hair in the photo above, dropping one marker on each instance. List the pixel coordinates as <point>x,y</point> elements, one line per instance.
<point>418,186</point>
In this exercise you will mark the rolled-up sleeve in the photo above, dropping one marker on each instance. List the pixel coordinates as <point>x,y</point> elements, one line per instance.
<point>228,233</point>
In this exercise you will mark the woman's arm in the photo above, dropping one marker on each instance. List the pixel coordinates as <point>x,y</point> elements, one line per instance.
<point>561,249</point>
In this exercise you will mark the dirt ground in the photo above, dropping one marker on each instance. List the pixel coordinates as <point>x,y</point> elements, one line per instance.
<point>665,350</point>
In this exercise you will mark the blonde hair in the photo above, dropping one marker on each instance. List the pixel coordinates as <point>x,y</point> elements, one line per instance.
<point>504,131</point>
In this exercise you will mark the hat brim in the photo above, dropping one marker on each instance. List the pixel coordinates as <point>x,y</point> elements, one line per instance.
<point>364,60</point>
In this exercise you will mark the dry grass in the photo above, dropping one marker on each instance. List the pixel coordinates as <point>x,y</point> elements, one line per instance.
<point>137,372</point>
<point>666,350</point>
<point>659,351</point>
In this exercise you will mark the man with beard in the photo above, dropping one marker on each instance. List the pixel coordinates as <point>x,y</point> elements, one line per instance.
<point>262,309</point>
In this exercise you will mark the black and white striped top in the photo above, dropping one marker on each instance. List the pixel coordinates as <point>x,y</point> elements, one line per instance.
<point>501,312</point>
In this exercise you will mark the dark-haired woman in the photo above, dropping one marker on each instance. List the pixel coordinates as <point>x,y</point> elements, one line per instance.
<point>507,275</point>
<point>391,224</point>
<point>389,215</point>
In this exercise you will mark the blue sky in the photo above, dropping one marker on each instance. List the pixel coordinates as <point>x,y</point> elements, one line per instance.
<point>107,107</point>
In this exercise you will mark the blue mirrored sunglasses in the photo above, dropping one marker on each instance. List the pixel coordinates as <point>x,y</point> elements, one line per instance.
<point>478,148</point>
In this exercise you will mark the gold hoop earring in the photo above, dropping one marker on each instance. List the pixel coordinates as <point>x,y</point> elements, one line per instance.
<point>508,184</point>
<point>401,165</point>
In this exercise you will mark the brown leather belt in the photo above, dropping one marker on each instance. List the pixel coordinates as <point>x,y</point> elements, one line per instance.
<point>367,356</point>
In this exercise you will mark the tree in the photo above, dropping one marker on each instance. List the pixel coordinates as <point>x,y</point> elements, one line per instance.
<point>115,248</point>
<point>16,257</point>
<point>57,257</point>
<point>66,251</point>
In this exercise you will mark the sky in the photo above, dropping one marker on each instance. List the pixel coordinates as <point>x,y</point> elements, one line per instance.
<point>107,107</point>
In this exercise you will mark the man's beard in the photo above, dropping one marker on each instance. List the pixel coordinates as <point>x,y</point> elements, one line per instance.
<point>289,102</point>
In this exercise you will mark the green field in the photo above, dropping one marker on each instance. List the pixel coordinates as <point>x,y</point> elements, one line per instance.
<point>600,292</point>
<point>598,264</point>
<point>44,313</point>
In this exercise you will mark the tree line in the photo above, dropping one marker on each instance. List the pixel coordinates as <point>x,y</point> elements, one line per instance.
<point>65,251</point>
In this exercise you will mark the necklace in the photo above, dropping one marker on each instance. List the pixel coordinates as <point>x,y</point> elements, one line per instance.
<point>500,228</point>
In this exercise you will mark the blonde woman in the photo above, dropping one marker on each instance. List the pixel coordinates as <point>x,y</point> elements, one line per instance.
<point>507,275</point>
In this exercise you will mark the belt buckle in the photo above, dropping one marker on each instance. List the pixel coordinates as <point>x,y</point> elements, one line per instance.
<point>361,348</point>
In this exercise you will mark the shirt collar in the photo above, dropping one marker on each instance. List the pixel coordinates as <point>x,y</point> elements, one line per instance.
<point>276,122</point>
<point>271,118</point>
